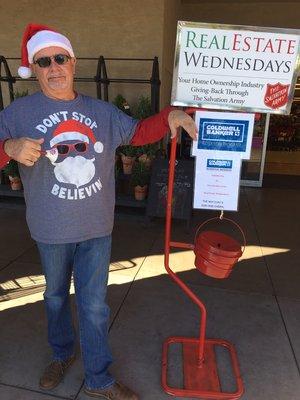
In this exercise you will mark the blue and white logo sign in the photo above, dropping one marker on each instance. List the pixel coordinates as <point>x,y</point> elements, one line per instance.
<point>224,131</point>
<point>218,164</point>
<point>223,135</point>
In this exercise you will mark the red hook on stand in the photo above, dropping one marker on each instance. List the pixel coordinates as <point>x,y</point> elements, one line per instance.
<point>200,370</point>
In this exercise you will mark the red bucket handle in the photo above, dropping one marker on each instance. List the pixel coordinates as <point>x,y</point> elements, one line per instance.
<point>227,219</point>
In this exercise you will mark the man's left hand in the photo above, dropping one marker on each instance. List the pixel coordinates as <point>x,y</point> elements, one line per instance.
<point>177,119</point>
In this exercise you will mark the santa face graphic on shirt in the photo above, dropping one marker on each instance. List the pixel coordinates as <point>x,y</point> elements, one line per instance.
<point>68,154</point>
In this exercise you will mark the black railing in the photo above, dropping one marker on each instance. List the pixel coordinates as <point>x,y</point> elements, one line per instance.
<point>101,79</point>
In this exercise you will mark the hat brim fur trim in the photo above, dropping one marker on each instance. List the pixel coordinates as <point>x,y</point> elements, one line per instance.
<point>65,136</point>
<point>49,44</point>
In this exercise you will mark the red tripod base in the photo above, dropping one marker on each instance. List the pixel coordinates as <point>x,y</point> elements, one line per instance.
<point>201,380</point>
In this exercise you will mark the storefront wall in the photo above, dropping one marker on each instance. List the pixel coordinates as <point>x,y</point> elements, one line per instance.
<point>127,28</point>
<point>278,13</point>
<point>172,13</point>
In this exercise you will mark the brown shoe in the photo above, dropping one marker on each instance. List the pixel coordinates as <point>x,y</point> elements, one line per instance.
<point>117,391</point>
<point>54,373</point>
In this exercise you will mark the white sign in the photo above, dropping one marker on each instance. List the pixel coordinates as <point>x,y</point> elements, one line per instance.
<point>224,131</point>
<point>217,180</point>
<point>235,67</point>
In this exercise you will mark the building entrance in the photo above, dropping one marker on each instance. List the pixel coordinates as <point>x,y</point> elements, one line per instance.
<point>283,147</point>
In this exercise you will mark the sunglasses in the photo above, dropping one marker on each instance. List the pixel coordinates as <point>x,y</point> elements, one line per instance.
<point>45,62</point>
<point>64,149</point>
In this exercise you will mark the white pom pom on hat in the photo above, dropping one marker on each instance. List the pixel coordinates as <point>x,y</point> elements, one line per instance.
<point>35,38</point>
<point>24,72</point>
<point>98,147</point>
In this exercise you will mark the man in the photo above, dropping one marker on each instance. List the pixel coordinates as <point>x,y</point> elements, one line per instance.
<point>65,144</point>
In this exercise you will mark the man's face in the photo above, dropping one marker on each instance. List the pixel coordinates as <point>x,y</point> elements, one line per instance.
<point>56,81</point>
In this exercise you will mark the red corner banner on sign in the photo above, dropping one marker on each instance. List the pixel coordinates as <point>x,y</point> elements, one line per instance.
<point>276,95</point>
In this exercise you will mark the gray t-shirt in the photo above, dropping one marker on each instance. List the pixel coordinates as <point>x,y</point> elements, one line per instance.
<point>70,191</point>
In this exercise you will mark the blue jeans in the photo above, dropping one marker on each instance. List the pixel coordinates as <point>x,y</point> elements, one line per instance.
<point>89,262</point>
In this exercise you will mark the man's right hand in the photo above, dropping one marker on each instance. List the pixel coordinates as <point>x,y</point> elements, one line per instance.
<point>24,150</point>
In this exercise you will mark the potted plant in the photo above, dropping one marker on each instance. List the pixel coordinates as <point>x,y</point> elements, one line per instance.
<point>147,153</point>
<point>12,171</point>
<point>142,109</point>
<point>129,153</point>
<point>128,156</point>
<point>122,104</point>
<point>140,179</point>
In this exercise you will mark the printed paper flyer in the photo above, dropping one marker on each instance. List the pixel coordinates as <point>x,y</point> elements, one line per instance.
<point>217,180</point>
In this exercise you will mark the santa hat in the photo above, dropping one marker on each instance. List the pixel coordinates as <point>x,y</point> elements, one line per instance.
<point>74,130</point>
<point>35,38</point>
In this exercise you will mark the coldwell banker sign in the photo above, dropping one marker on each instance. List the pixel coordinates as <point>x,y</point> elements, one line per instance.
<point>235,67</point>
<point>223,135</point>
<point>224,131</point>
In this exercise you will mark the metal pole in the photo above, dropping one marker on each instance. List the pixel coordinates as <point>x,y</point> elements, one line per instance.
<point>183,286</point>
<point>7,78</point>
<point>98,78</point>
<point>155,84</point>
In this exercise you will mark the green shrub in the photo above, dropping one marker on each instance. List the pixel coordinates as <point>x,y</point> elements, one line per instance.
<point>142,109</point>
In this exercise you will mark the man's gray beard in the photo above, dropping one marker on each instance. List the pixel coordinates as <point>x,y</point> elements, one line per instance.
<point>75,170</point>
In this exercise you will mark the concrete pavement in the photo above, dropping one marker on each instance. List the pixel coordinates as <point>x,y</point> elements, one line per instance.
<point>257,308</point>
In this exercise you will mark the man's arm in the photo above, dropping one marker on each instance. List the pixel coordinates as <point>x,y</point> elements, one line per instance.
<point>4,158</point>
<point>24,150</point>
<point>154,128</point>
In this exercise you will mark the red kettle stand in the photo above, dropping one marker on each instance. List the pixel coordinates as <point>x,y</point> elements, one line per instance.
<point>201,376</point>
